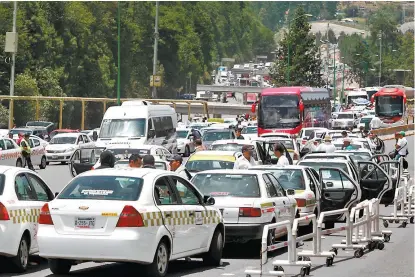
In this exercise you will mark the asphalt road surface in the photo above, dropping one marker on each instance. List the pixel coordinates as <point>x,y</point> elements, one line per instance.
<point>395,260</point>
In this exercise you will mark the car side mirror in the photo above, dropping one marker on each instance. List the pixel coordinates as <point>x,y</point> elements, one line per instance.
<point>151,133</point>
<point>290,192</point>
<point>329,184</point>
<point>208,200</point>
<point>94,135</point>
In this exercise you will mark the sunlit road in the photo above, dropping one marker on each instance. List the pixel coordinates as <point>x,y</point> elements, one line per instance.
<point>397,259</point>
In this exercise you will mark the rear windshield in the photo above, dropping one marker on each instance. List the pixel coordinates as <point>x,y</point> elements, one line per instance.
<point>202,165</point>
<point>236,185</point>
<point>103,188</point>
<point>316,166</point>
<point>308,157</point>
<point>217,135</point>
<point>2,178</point>
<point>288,178</point>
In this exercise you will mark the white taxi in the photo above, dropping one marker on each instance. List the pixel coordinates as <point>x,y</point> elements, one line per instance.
<point>185,141</point>
<point>208,160</point>
<point>11,154</point>
<point>22,195</point>
<point>159,164</point>
<point>62,146</point>
<point>130,215</point>
<point>236,145</point>
<point>248,200</point>
<point>305,184</point>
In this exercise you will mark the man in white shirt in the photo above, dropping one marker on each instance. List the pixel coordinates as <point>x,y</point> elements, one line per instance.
<point>401,146</point>
<point>327,146</point>
<point>279,153</point>
<point>375,123</point>
<point>176,165</point>
<point>246,160</point>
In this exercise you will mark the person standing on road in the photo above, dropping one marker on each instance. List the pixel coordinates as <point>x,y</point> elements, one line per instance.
<point>401,146</point>
<point>239,134</point>
<point>246,160</point>
<point>135,161</point>
<point>176,165</point>
<point>327,146</point>
<point>149,162</point>
<point>26,151</point>
<point>279,153</point>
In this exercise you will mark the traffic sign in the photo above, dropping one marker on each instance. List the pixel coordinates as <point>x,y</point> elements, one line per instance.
<point>155,81</point>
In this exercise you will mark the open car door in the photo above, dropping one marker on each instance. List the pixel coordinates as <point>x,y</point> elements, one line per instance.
<point>393,169</point>
<point>380,158</point>
<point>82,160</point>
<point>380,146</point>
<point>266,150</point>
<point>338,191</point>
<point>374,181</point>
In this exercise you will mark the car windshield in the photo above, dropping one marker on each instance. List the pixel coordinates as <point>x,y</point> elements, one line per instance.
<point>63,140</point>
<point>216,135</point>
<point>235,147</point>
<point>112,128</point>
<point>202,165</point>
<point>233,185</point>
<point>103,188</point>
<point>288,178</point>
<point>182,133</point>
<point>18,131</point>
<point>345,116</point>
<point>317,165</point>
<point>250,130</point>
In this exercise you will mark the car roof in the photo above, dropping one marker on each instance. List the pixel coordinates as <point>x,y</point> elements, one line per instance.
<point>234,141</point>
<point>235,171</point>
<point>325,161</point>
<point>213,128</point>
<point>325,154</point>
<point>214,153</point>
<point>256,167</point>
<point>125,172</point>
<point>68,135</point>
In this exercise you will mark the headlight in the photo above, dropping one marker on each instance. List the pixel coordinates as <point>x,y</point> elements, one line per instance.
<point>70,149</point>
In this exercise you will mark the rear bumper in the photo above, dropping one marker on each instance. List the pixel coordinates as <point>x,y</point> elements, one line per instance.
<point>128,245</point>
<point>244,231</point>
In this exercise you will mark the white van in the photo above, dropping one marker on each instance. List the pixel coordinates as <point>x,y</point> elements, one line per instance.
<point>138,123</point>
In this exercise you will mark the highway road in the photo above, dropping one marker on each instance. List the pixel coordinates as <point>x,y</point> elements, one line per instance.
<point>395,260</point>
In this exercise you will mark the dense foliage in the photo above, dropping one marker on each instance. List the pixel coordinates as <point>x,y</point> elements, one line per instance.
<point>70,49</point>
<point>298,61</point>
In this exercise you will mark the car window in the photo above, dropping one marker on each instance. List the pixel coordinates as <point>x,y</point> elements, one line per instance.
<point>80,139</point>
<point>36,142</point>
<point>186,193</point>
<point>277,185</point>
<point>85,138</point>
<point>310,181</point>
<point>163,193</point>
<point>40,188</point>
<point>23,189</point>
<point>335,179</point>
<point>271,191</point>
<point>8,144</point>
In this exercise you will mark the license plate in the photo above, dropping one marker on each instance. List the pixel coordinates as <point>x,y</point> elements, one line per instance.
<point>55,157</point>
<point>85,222</point>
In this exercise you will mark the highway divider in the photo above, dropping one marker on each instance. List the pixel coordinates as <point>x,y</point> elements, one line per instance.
<point>393,130</point>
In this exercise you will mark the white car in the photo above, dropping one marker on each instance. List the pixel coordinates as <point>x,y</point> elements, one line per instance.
<point>123,151</point>
<point>276,135</point>
<point>344,120</point>
<point>185,144</point>
<point>43,142</point>
<point>289,144</point>
<point>62,146</point>
<point>11,154</point>
<point>22,195</point>
<point>365,120</point>
<point>108,215</point>
<point>236,145</point>
<point>309,133</point>
<point>250,132</point>
<point>248,200</point>
<point>159,164</point>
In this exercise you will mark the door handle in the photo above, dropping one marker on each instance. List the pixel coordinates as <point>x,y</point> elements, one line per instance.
<point>192,214</point>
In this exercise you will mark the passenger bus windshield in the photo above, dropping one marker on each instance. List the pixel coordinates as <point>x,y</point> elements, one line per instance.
<point>279,111</point>
<point>389,106</point>
<point>222,185</point>
<point>112,128</point>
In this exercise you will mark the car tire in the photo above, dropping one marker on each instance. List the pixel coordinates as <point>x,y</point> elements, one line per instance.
<point>214,256</point>
<point>186,151</point>
<point>160,264</point>
<point>19,163</point>
<point>43,163</point>
<point>21,261</point>
<point>58,266</point>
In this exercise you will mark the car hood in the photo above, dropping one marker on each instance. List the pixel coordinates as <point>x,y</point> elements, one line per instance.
<point>60,146</point>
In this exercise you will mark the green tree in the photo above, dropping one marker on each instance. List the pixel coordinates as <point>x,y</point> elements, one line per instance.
<point>305,63</point>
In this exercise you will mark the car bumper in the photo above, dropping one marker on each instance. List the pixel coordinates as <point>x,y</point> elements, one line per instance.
<point>58,157</point>
<point>245,231</point>
<point>124,245</point>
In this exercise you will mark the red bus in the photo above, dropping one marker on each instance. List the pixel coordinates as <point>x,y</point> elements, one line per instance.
<point>289,109</point>
<point>390,104</point>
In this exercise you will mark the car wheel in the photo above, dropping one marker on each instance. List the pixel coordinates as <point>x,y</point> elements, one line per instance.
<point>160,264</point>
<point>21,261</point>
<point>43,163</point>
<point>19,163</point>
<point>214,256</point>
<point>58,266</point>
<point>186,151</point>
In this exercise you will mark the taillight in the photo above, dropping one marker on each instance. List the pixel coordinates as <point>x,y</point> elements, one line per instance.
<point>130,217</point>
<point>300,202</point>
<point>4,214</point>
<point>45,218</point>
<point>250,212</point>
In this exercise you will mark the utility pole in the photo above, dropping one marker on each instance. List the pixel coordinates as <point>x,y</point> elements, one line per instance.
<point>13,67</point>
<point>380,58</point>
<point>156,38</point>
<point>334,74</point>
<point>342,93</point>
<point>119,56</point>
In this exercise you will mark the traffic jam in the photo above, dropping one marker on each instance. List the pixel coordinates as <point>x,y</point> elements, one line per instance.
<point>298,167</point>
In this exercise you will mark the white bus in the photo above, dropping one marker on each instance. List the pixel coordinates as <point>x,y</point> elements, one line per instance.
<point>354,95</point>
<point>138,123</point>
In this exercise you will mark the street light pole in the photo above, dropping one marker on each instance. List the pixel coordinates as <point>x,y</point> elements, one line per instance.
<point>13,68</point>
<point>380,58</point>
<point>289,44</point>
<point>334,75</point>
<point>342,93</point>
<point>119,56</point>
<point>156,38</point>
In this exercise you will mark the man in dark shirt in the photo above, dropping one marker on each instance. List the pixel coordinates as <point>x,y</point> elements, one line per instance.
<point>149,162</point>
<point>107,160</point>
